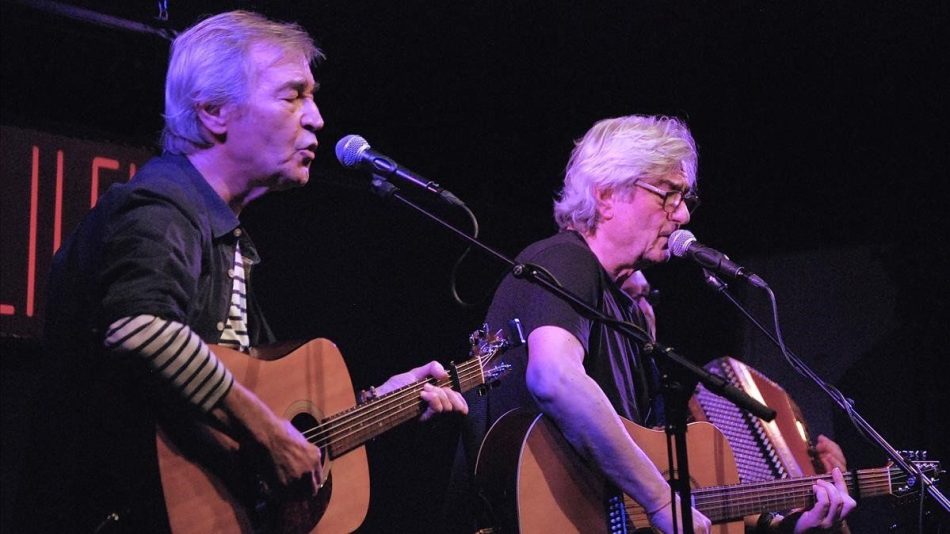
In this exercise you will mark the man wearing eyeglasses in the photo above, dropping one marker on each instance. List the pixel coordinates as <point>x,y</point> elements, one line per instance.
<point>630,182</point>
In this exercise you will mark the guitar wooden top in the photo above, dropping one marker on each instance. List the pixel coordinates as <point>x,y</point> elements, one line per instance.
<point>211,486</point>
<point>312,379</point>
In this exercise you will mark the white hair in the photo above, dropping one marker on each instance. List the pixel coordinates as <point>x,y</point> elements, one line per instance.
<point>613,155</point>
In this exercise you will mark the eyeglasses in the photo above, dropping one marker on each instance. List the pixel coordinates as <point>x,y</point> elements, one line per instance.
<point>672,199</point>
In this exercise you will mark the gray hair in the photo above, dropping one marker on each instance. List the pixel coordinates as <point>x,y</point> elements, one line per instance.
<point>613,155</point>
<point>209,66</point>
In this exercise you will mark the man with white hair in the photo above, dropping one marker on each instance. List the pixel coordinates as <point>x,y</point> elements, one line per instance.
<point>630,182</point>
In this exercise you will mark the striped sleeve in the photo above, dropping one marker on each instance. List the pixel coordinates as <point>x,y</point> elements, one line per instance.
<point>175,353</point>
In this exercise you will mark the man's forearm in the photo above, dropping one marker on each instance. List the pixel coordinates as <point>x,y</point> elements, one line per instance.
<point>185,364</point>
<point>590,424</point>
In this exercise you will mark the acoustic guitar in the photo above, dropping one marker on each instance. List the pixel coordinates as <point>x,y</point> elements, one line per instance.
<point>211,485</point>
<point>535,482</point>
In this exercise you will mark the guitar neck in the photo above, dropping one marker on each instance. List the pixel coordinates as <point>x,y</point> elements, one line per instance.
<point>347,430</point>
<point>725,503</point>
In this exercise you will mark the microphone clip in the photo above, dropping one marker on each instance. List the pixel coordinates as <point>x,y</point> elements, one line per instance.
<point>382,187</point>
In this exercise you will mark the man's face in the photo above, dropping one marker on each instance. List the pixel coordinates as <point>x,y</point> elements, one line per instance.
<point>271,136</point>
<point>640,224</point>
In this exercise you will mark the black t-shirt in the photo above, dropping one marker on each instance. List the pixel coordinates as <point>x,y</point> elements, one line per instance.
<point>611,359</point>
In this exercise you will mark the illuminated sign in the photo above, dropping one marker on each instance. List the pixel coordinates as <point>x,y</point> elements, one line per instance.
<point>48,183</point>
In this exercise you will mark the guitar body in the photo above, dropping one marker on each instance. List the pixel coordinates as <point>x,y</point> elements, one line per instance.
<point>532,481</point>
<point>208,483</point>
<point>536,483</point>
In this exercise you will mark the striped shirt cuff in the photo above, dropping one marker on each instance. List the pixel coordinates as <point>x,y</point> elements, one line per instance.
<point>176,354</point>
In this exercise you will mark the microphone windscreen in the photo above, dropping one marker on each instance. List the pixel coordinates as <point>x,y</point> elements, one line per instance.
<point>349,148</point>
<point>680,240</point>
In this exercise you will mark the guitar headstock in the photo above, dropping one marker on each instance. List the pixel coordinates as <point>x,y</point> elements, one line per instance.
<point>913,512</point>
<point>904,484</point>
<point>488,345</point>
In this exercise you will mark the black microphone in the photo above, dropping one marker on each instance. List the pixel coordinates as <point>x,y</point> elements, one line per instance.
<point>683,244</point>
<point>354,153</point>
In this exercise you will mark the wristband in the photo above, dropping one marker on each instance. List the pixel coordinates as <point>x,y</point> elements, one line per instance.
<point>764,524</point>
<point>787,526</point>
<point>669,502</point>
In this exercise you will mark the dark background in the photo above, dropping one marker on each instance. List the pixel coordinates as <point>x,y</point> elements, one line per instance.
<point>823,162</point>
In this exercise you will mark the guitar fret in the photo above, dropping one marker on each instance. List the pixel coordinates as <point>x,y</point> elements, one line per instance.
<point>728,503</point>
<point>732,502</point>
<point>362,423</point>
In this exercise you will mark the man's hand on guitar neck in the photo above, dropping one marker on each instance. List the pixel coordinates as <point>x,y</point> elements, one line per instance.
<point>832,505</point>
<point>442,399</point>
<point>833,502</point>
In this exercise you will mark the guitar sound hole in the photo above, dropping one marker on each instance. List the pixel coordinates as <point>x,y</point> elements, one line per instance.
<point>309,426</point>
<point>304,422</point>
<point>302,515</point>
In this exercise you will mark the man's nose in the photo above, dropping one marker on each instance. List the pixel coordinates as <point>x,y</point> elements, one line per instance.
<point>312,119</point>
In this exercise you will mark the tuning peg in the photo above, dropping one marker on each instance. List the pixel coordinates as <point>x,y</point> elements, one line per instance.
<point>914,455</point>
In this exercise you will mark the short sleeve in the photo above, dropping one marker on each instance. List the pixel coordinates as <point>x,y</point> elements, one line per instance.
<point>151,259</point>
<point>573,266</point>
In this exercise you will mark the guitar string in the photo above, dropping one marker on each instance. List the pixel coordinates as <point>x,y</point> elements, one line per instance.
<point>706,497</point>
<point>354,423</point>
<point>724,497</point>
<point>712,496</point>
<point>396,400</point>
<point>711,499</point>
<point>728,511</point>
<point>719,512</point>
<point>709,494</point>
<point>726,502</point>
<point>872,480</point>
<point>408,392</point>
<point>393,402</point>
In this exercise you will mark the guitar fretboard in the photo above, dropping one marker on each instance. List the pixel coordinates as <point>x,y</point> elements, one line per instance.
<point>347,430</point>
<point>729,503</point>
<point>722,503</point>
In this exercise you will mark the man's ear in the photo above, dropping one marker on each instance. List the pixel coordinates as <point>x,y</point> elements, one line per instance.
<point>214,118</point>
<point>604,197</point>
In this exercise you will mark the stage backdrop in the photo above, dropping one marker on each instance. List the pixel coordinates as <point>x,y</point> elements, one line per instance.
<point>49,182</point>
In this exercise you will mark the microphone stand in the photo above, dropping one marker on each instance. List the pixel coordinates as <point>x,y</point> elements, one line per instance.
<point>864,428</point>
<point>537,275</point>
